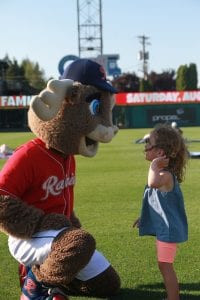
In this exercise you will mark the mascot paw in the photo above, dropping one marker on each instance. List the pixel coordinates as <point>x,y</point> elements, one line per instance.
<point>53,221</point>
<point>71,251</point>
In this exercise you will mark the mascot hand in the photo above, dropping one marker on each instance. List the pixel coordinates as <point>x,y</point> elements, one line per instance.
<point>17,218</point>
<point>21,220</point>
<point>75,221</point>
<point>53,221</point>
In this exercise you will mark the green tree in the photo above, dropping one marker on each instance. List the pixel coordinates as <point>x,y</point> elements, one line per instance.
<point>181,78</point>
<point>186,78</point>
<point>192,80</point>
<point>24,78</point>
<point>14,78</point>
<point>14,72</point>
<point>33,74</point>
<point>145,86</point>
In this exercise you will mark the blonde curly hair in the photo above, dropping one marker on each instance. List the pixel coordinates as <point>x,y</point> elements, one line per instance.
<point>173,144</point>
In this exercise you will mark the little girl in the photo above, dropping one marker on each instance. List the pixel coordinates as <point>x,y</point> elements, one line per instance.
<point>163,213</point>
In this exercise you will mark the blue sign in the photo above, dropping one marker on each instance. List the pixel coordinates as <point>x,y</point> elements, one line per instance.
<point>112,67</point>
<point>61,65</point>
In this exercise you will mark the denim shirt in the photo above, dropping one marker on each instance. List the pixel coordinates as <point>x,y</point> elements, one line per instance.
<point>163,215</point>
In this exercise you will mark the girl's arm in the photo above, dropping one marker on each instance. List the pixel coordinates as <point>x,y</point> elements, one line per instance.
<point>158,177</point>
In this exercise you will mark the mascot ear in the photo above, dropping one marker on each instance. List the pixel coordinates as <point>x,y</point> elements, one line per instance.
<point>47,104</point>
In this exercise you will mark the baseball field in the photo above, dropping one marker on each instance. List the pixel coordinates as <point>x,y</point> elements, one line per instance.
<point>108,196</point>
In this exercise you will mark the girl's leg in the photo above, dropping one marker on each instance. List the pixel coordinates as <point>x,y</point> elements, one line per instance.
<point>170,280</point>
<point>166,253</point>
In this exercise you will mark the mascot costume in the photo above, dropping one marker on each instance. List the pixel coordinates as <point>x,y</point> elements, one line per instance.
<point>71,116</point>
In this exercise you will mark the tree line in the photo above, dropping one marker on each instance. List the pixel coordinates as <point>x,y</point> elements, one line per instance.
<point>20,78</point>
<point>186,78</point>
<point>28,78</point>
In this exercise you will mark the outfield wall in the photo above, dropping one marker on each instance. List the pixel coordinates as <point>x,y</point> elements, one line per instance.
<point>148,116</point>
<point>144,110</point>
<point>133,110</point>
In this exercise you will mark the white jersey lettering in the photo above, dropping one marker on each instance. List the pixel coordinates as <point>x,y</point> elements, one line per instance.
<point>54,186</point>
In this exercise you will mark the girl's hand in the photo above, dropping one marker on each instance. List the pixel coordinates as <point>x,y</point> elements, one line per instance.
<point>160,163</point>
<point>136,223</point>
<point>158,176</point>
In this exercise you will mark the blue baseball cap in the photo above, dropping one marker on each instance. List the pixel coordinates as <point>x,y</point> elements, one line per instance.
<point>88,72</point>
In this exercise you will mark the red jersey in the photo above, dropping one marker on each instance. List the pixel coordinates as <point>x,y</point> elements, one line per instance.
<point>40,177</point>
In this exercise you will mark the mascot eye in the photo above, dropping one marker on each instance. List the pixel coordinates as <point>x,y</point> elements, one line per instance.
<point>94,107</point>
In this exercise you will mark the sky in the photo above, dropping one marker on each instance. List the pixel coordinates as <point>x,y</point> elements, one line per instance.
<point>45,31</point>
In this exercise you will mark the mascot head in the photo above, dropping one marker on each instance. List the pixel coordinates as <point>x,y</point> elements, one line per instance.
<point>74,114</point>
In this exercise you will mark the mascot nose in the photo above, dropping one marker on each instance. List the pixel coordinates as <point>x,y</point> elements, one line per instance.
<point>103,134</point>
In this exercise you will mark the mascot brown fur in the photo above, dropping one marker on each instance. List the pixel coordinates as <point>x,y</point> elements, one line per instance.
<point>71,116</point>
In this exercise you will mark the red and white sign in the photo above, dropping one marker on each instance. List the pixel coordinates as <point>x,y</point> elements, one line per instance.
<point>158,98</point>
<point>21,101</point>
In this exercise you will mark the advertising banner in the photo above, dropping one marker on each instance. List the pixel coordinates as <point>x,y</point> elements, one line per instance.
<point>21,101</point>
<point>183,116</point>
<point>123,99</point>
<point>158,98</point>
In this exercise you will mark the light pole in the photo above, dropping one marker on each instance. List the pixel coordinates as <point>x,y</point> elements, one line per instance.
<point>144,55</point>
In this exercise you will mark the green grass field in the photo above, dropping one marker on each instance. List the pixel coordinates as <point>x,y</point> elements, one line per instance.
<point>108,198</point>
